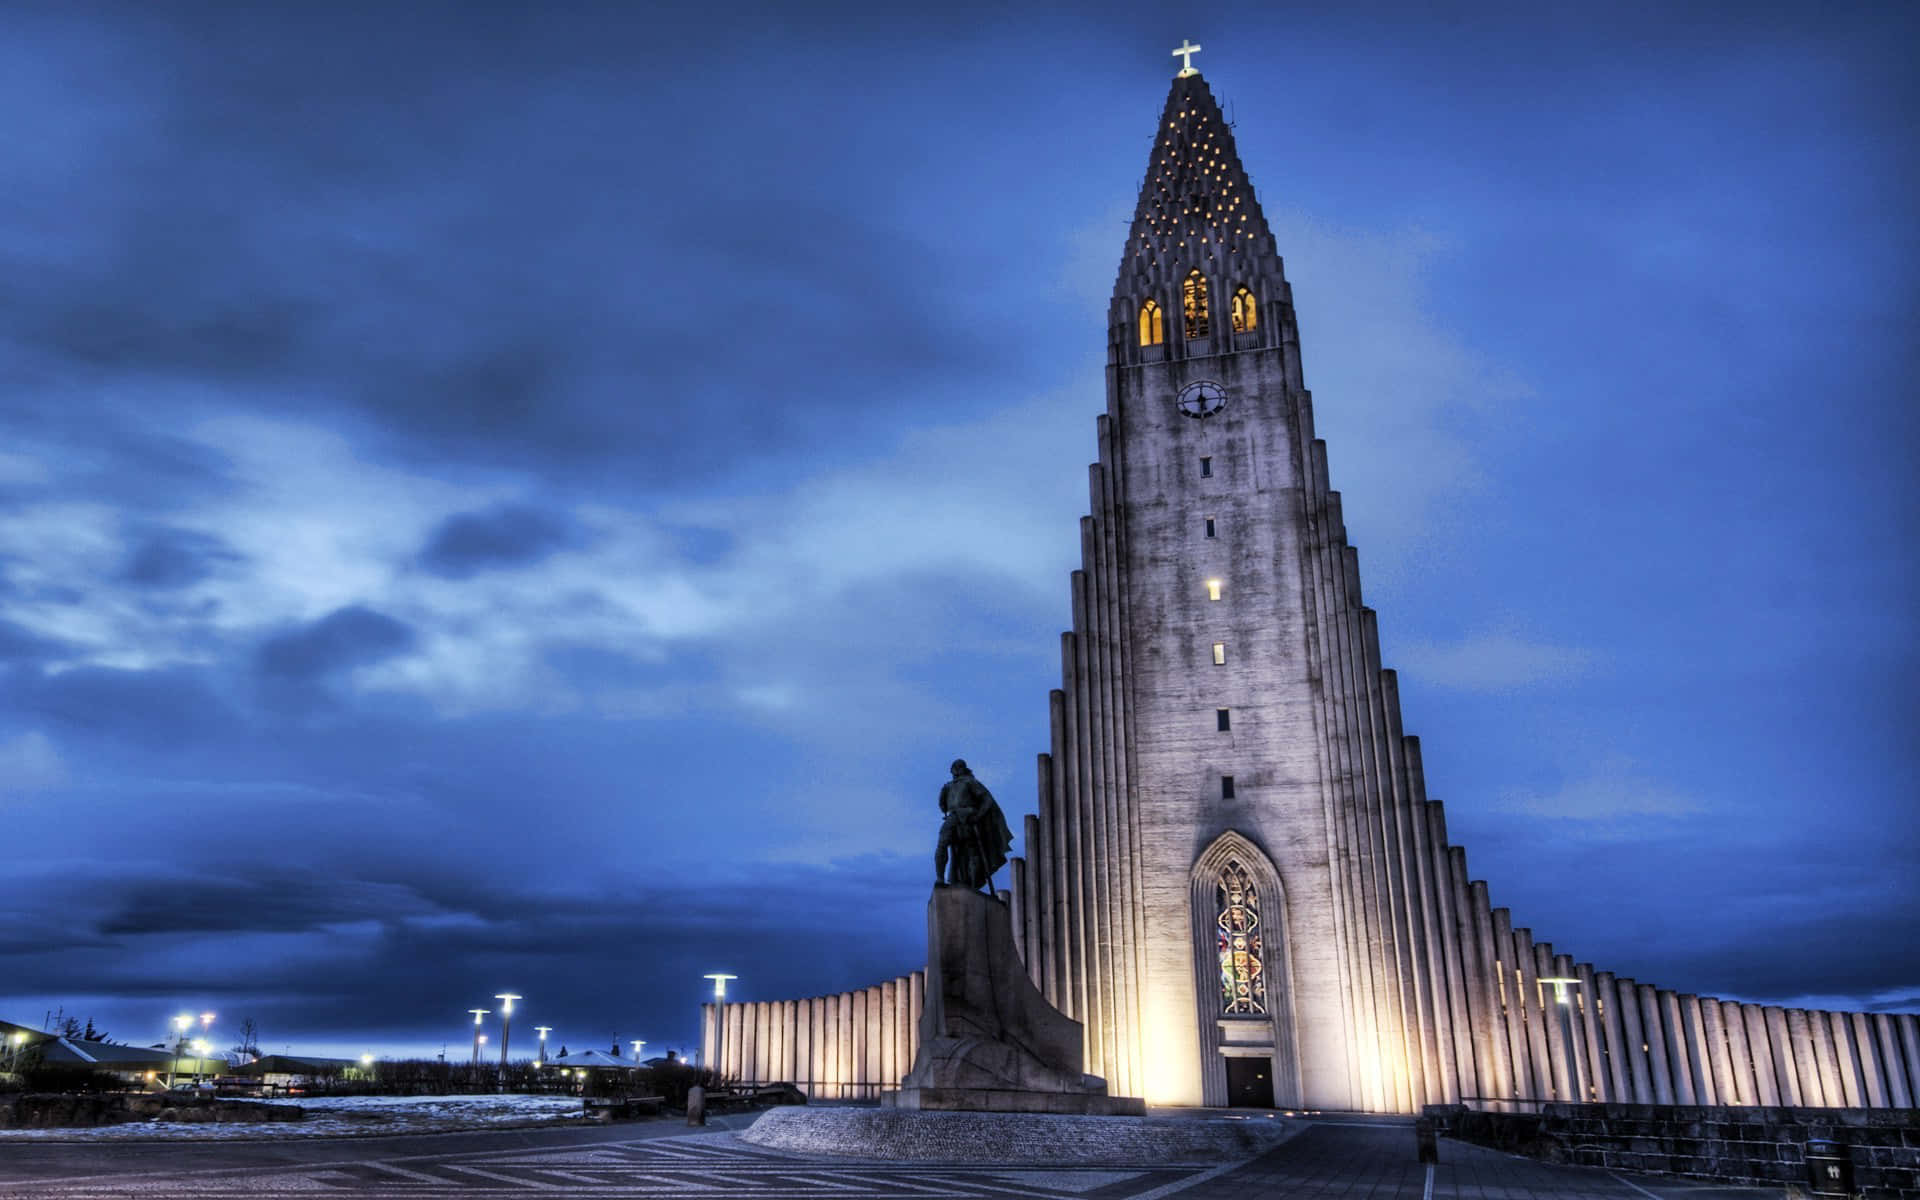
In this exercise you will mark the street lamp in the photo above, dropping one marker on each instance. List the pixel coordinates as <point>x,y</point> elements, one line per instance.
<point>477,1037</point>
<point>639,1044</point>
<point>181,1024</point>
<point>506,1000</point>
<point>366,1065</point>
<point>719,1019</point>
<point>543,1030</point>
<point>1564,999</point>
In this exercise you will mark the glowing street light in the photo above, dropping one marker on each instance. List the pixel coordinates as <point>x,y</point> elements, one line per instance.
<point>206,1019</point>
<point>542,1057</point>
<point>506,1000</point>
<point>478,1037</point>
<point>639,1044</point>
<point>366,1064</point>
<point>181,1024</point>
<point>719,1019</point>
<point>1563,999</point>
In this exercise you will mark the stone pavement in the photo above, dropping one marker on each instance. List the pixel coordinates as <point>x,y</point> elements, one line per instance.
<point>1327,1159</point>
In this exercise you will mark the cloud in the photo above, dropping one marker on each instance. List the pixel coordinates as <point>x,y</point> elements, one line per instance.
<point>169,558</point>
<point>1614,801</point>
<point>347,637</point>
<point>29,763</point>
<point>1492,662</point>
<point>508,536</point>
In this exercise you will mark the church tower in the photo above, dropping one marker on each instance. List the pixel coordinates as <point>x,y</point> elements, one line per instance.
<point>1225,746</point>
<point>1234,878</point>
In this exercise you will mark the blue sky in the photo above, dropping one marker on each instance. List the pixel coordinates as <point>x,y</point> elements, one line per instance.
<point>515,497</point>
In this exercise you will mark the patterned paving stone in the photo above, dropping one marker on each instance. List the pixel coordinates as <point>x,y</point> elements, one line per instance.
<point>1349,1161</point>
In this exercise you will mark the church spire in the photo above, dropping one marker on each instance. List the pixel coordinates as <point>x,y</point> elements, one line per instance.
<point>1197,209</point>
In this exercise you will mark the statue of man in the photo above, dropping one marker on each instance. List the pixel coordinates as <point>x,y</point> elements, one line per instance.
<point>973,830</point>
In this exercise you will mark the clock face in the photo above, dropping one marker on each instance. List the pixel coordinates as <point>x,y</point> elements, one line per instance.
<point>1202,399</point>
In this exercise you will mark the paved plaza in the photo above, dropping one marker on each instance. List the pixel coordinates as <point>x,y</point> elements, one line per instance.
<point>1325,1158</point>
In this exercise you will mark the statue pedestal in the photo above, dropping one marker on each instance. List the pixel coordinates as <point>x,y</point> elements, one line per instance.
<point>989,1041</point>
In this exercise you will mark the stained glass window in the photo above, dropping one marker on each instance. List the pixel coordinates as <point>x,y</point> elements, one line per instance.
<point>1193,295</point>
<point>1152,332</point>
<point>1245,315</point>
<point>1243,990</point>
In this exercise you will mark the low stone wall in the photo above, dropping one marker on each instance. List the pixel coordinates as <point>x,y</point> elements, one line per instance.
<point>1730,1145</point>
<point>63,1110</point>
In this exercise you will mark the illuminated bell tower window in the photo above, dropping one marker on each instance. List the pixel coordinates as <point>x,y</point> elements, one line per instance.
<point>1152,325</point>
<point>1243,990</point>
<point>1193,299</point>
<point>1245,312</point>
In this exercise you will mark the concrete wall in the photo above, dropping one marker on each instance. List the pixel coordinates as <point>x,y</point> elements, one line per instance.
<point>847,1046</point>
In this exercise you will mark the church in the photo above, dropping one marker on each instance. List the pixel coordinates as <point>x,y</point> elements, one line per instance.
<point>1234,878</point>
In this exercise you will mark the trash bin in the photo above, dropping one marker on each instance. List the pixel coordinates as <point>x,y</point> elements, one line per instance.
<point>1425,1140</point>
<point>1829,1169</point>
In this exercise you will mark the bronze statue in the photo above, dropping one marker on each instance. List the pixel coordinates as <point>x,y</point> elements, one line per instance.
<point>973,830</point>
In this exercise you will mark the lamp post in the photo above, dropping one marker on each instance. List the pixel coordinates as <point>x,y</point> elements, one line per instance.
<point>719,1021</point>
<point>506,1000</point>
<point>366,1065</point>
<point>477,1038</point>
<point>1564,999</point>
<point>543,1031</point>
<point>181,1024</point>
<point>638,1044</point>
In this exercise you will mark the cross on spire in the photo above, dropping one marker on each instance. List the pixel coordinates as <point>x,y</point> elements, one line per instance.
<point>1185,54</point>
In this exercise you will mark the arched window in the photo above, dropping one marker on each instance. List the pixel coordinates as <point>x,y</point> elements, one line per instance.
<point>1152,330</point>
<point>1245,313</point>
<point>1193,296</point>
<point>1243,990</point>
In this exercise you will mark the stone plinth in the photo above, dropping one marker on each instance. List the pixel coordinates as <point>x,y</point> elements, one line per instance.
<point>989,1041</point>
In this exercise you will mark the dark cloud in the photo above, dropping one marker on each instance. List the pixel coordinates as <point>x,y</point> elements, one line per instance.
<point>354,636</point>
<point>21,645</point>
<point>165,558</point>
<point>166,708</point>
<point>508,536</point>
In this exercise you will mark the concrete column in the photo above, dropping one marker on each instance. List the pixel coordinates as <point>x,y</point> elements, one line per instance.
<point>763,1027</point>
<point>1092,766</point>
<point>1423,937</point>
<point>890,1070</point>
<point>1606,990</point>
<point>1529,1004</point>
<point>1677,1049</point>
<point>735,1041</point>
<point>1636,1042</point>
<point>708,1024</point>
<point>803,1047</point>
<point>1653,1030</point>
<point>1785,1070</point>
<point>1806,1063</point>
<point>1066,945</point>
<point>1046,872</point>
<point>1869,1061</point>
<point>1016,896</point>
<point>1452,955</point>
<point>1073,866</point>
<point>1692,1021</point>
<point>1507,975</point>
<point>1559,1051</point>
<point>850,1041</point>
<point>1760,1047</point>
<point>1888,1037</point>
<point>1034,875</point>
<point>1739,1058</point>
<point>1593,1031</point>
<point>1909,1026</point>
<point>904,1019</point>
<point>916,1004</point>
<point>1473,976</point>
<point>1853,1088</point>
<point>1403,912</point>
<point>1719,1055</point>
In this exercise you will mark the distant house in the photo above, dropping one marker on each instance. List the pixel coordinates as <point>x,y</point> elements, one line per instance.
<point>293,1070</point>
<point>21,1047</point>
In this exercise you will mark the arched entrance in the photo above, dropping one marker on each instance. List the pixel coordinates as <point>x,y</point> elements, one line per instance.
<point>1248,1056</point>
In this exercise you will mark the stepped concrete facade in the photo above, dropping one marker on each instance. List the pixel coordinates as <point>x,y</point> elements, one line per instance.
<point>1234,879</point>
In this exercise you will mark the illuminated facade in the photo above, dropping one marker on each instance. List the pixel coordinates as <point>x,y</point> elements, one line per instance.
<point>1234,878</point>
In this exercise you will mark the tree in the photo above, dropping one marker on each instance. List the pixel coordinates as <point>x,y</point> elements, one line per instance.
<point>249,1043</point>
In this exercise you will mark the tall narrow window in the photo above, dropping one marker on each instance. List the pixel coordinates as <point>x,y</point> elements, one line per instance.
<point>1219,654</point>
<point>1243,989</point>
<point>1209,526</point>
<point>1213,589</point>
<point>1245,312</point>
<point>1193,299</point>
<point>1152,325</point>
<point>1223,719</point>
<point>1206,466</point>
<point>1226,787</point>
